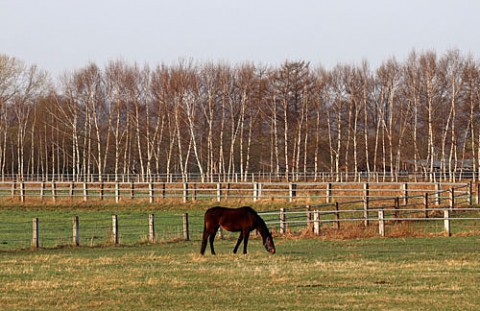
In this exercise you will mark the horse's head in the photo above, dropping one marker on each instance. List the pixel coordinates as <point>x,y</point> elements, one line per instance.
<point>269,245</point>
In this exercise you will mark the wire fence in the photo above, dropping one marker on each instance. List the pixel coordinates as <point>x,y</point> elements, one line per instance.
<point>450,205</point>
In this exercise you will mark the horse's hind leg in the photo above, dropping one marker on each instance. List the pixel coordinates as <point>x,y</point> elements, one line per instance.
<point>204,241</point>
<point>240,239</point>
<point>212,238</point>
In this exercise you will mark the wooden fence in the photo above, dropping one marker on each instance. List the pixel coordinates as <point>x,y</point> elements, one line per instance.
<point>452,205</point>
<point>217,192</point>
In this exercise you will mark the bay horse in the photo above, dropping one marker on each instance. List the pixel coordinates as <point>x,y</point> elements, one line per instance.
<point>244,220</point>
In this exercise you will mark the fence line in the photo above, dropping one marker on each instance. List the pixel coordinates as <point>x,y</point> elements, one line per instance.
<point>320,192</point>
<point>381,211</point>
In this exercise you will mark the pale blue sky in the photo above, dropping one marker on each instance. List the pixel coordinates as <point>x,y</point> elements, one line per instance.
<point>61,35</point>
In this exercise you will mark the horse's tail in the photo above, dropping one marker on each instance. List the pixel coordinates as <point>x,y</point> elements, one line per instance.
<point>204,237</point>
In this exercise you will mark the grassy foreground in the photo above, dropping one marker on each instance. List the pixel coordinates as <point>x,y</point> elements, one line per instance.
<point>309,274</point>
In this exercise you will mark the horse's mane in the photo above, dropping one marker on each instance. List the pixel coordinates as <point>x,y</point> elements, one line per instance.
<point>261,222</point>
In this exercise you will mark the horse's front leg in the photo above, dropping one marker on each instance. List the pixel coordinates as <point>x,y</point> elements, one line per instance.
<point>245,240</point>
<point>240,239</point>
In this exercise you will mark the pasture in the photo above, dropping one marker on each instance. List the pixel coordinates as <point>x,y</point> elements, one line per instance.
<point>436,273</point>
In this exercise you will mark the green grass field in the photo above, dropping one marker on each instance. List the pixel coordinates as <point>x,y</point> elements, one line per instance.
<point>352,268</point>
<point>437,273</point>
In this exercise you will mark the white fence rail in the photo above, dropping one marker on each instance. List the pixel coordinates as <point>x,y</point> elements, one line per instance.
<point>153,191</point>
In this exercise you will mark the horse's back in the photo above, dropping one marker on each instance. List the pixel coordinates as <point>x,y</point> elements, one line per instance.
<point>231,219</point>
<point>240,210</point>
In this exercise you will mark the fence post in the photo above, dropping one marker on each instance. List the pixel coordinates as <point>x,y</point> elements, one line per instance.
<point>71,190</point>
<point>470,193</point>
<point>446,222</point>
<point>328,193</point>
<point>316,222</point>
<point>102,190</point>
<point>381,223</point>
<point>397,207</point>
<point>54,191</point>
<point>35,233</point>
<point>366,194</point>
<point>227,194</point>
<point>438,194</point>
<point>132,189</point>
<point>309,217</point>
<point>42,190</point>
<point>283,221</point>
<point>117,192</point>
<point>115,229</point>
<point>194,192</point>
<point>151,192</point>
<point>14,188</point>
<point>425,203</point>
<point>151,228</point>
<point>75,233</point>
<point>186,231</point>
<point>22,191</point>
<point>405,193</point>
<point>219,192</point>
<point>292,191</point>
<point>255,192</point>
<point>337,216</point>
<point>477,197</point>
<point>185,192</point>
<point>452,198</point>
<point>85,191</point>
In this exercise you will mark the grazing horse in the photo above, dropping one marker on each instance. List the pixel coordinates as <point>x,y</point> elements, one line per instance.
<point>243,220</point>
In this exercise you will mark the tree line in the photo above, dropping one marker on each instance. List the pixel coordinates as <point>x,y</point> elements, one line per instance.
<point>217,119</point>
